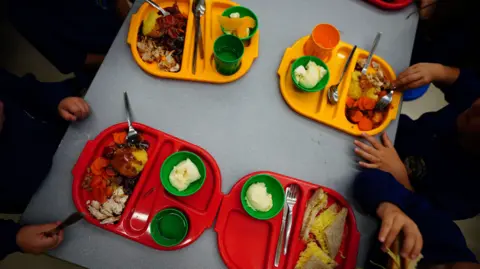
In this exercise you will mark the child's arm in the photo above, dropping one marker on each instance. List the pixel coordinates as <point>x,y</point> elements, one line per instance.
<point>443,241</point>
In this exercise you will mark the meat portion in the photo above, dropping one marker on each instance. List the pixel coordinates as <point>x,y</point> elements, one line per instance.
<point>123,161</point>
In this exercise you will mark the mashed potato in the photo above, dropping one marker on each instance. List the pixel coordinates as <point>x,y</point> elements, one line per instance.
<point>258,198</point>
<point>184,174</point>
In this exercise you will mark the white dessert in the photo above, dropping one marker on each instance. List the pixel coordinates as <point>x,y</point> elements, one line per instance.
<point>258,198</point>
<point>184,174</point>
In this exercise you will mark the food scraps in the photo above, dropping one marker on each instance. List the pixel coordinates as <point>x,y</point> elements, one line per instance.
<point>236,25</point>
<point>308,76</point>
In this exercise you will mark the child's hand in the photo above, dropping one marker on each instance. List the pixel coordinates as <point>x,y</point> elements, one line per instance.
<point>73,108</point>
<point>31,240</point>
<point>383,157</point>
<point>394,221</point>
<point>418,75</point>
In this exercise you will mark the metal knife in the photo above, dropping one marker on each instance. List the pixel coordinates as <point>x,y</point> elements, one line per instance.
<point>197,28</point>
<point>72,219</point>
<point>278,252</point>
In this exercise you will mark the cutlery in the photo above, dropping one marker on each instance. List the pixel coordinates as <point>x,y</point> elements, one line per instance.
<point>198,10</point>
<point>132,135</point>
<point>291,200</point>
<point>385,100</point>
<point>155,5</point>
<point>333,90</point>
<point>371,53</point>
<point>73,218</point>
<point>278,252</point>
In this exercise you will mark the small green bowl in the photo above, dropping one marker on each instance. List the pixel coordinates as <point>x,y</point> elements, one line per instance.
<point>274,187</point>
<point>243,12</point>
<point>304,61</point>
<point>169,227</point>
<point>175,159</point>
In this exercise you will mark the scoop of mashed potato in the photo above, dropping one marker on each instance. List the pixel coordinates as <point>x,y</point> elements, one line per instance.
<point>258,198</point>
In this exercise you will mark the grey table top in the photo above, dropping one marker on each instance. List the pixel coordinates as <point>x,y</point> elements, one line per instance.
<point>245,125</point>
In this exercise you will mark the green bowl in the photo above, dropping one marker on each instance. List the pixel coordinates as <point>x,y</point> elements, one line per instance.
<point>175,159</point>
<point>304,61</point>
<point>169,227</point>
<point>243,12</point>
<point>274,187</point>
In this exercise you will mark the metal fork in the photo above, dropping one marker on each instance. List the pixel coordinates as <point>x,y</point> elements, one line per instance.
<point>132,135</point>
<point>155,5</point>
<point>371,53</point>
<point>385,100</point>
<point>291,200</point>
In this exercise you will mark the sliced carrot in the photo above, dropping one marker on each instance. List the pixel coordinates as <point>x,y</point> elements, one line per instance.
<point>377,117</point>
<point>370,114</point>
<point>369,103</point>
<point>350,102</point>
<point>382,94</point>
<point>120,137</point>
<point>96,171</point>
<point>356,116</point>
<point>99,195</point>
<point>109,191</point>
<point>365,124</point>
<point>103,184</point>
<point>96,181</point>
<point>361,105</point>
<point>100,163</point>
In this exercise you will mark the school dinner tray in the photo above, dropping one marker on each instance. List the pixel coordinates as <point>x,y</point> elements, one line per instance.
<point>248,243</point>
<point>205,70</point>
<point>315,105</point>
<point>149,196</point>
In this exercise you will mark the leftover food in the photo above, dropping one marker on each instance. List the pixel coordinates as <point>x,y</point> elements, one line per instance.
<point>308,76</point>
<point>184,174</point>
<point>258,198</point>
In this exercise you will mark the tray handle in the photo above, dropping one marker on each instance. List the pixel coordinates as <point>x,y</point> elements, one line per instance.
<point>132,32</point>
<point>286,61</point>
<point>83,159</point>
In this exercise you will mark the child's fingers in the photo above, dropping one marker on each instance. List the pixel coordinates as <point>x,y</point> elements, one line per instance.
<point>408,243</point>
<point>368,165</point>
<point>387,223</point>
<point>394,230</point>
<point>372,140</point>
<point>84,107</point>
<point>386,140</point>
<point>418,246</point>
<point>365,147</point>
<point>67,115</point>
<point>366,156</point>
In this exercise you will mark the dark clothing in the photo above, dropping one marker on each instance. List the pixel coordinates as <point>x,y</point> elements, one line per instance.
<point>443,241</point>
<point>66,31</point>
<point>441,170</point>
<point>30,136</point>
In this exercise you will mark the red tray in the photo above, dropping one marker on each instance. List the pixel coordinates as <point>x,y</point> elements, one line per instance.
<point>248,243</point>
<point>149,196</point>
<point>396,4</point>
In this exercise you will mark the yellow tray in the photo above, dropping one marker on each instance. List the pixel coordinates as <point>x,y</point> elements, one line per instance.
<point>315,105</point>
<point>211,30</point>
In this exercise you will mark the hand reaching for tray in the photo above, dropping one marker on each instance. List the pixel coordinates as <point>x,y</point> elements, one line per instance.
<point>73,109</point>
<point>382,156</point>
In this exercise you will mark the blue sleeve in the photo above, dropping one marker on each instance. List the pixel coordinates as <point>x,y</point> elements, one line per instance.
<point>443,240</point>
<point>464,91</point>
<point>39,98</point>
<point>8,236</point>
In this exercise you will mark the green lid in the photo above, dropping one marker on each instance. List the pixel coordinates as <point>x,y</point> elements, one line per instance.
<point>304,61</point>
<point>174,160</point>
<point>169,227</point>
<point>274,187</point>
<point>243,12</point>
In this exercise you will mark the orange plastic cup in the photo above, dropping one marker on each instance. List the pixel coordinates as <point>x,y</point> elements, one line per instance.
<point>324,38</point>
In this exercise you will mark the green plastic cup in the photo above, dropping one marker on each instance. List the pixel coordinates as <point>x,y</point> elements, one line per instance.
<point>243,11</point>
<point>274,187</point>
<point>169,227</point>
<point>228,53</point>
<point>171,162</point>
<point>304,61</point>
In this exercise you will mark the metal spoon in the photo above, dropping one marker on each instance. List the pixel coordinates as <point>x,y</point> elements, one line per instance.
<point>332,93</point>
<point>371,53</point>
<point>155,5</point>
